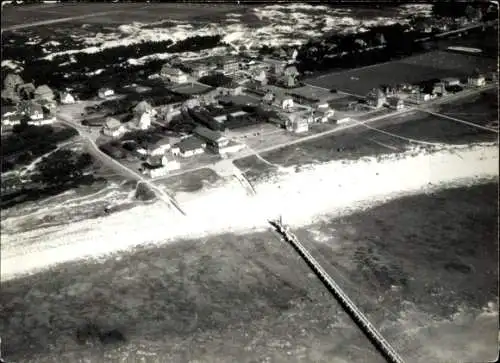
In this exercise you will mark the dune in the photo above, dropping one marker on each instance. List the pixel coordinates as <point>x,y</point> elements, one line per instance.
<point>329,189</point>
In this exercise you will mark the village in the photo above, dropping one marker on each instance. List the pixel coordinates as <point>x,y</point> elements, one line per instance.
<point>215,107</point>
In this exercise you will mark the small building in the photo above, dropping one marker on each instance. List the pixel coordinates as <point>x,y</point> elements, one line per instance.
<point>451,81</point>
<point>113,128</point>
<point>188,147</point>
<point>298,122</point>
<point>395,103</point>
<point>213,139</point>
<point>105,93</point>
<point>172,74</point>
<point>143,121</point>
<point>284,102</point>
<point>277,66</point>
<point>439,89</point>
<point>160,165</point>
<point>228,65</point>
<point>160,147</point>
<point>67,98</point>
<point>476,81</point>
<point>376,98</point>
<point>144,107</point>
<point>323,114</point>
<point>43,121</point>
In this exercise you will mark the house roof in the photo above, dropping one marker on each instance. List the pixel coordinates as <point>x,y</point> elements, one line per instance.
<point>207,133</point>
<point>112,123</point>
<point>190,143</point>
<point>154,160</point>
<point>43,89</point>
<point>162,142</point>
<point>104,89</point>
<point>142,107</point>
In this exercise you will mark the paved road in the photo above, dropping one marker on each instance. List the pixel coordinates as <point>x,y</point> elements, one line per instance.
<point>117,166</point>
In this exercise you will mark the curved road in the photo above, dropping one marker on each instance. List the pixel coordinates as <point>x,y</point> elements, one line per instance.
<point>117,166</point>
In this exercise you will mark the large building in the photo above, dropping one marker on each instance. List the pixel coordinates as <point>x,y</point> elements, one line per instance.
<point>188,147</point>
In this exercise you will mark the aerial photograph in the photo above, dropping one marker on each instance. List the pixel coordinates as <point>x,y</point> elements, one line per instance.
<point>249,182</point>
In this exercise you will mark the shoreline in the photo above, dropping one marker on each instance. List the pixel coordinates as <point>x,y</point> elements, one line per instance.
<point>329,189</point>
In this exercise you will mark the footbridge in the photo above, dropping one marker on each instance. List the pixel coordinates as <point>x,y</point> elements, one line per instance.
<point>380,343</point>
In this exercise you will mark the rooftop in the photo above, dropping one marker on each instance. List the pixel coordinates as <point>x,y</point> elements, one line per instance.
<point>190,143</point>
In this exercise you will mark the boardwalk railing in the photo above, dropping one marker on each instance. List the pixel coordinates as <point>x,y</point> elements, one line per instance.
<point>368,329</point>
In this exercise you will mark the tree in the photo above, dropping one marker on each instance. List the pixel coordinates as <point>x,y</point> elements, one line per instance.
<point>10,84</point>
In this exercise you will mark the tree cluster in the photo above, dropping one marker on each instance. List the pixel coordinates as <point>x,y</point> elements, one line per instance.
<point>28,142</point>
<point>61,167</point>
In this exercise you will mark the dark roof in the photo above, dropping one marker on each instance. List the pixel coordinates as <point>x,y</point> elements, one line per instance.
<point>190,143</point>
<point>208,134</point>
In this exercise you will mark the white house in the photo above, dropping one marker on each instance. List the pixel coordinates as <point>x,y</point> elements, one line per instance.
<point>285,102</point>
<point>144,121</point>
<point>396,103</point>
<point>157,166</point>
<point>113,128</point>
<point>476,81</point>
<point>298,122</point>
<point>160,148</point>
<point>188,147</point>
<point>105,93</point>
<point>451,81</point>
<point>323,114</point>
<point>67,98</point>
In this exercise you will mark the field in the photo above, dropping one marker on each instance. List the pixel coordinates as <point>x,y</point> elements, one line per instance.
<point>249,298</point>
<point>191,182</point>
<point>436,64</point>
<point>481,109</point>
<point>114,13</point>
<point>365,141</point>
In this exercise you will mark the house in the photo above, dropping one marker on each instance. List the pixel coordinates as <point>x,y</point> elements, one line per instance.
<point>228,65</point>
<point>298,122</point>
<point>213,139</point>
<point>174,75</point>
<point>144,107</point>
<point>277,66</point>
<point>376,98</point>
<point>451,81</point>
<point>67,98</point>
<point>439,89</point>
<point>323,114</point>
<point>284,102</point>
<point>143,121</point>
<point>113,128</point>
<point>476,81</point>
<point>160,147</point>
<point>105,92</point>
<point>158,165</point>
<point>396,103</point>
<point>44,92</point>
<point>188,147</point>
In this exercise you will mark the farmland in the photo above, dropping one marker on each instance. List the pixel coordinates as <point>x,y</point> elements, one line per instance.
<point>365,141</point>
<point>415,69</point>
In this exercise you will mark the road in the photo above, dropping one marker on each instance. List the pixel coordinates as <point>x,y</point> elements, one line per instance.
<point>424,108</point>
<point>117,166</point>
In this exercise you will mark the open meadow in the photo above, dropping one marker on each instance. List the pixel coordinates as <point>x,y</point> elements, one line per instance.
<point>414,69</point>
